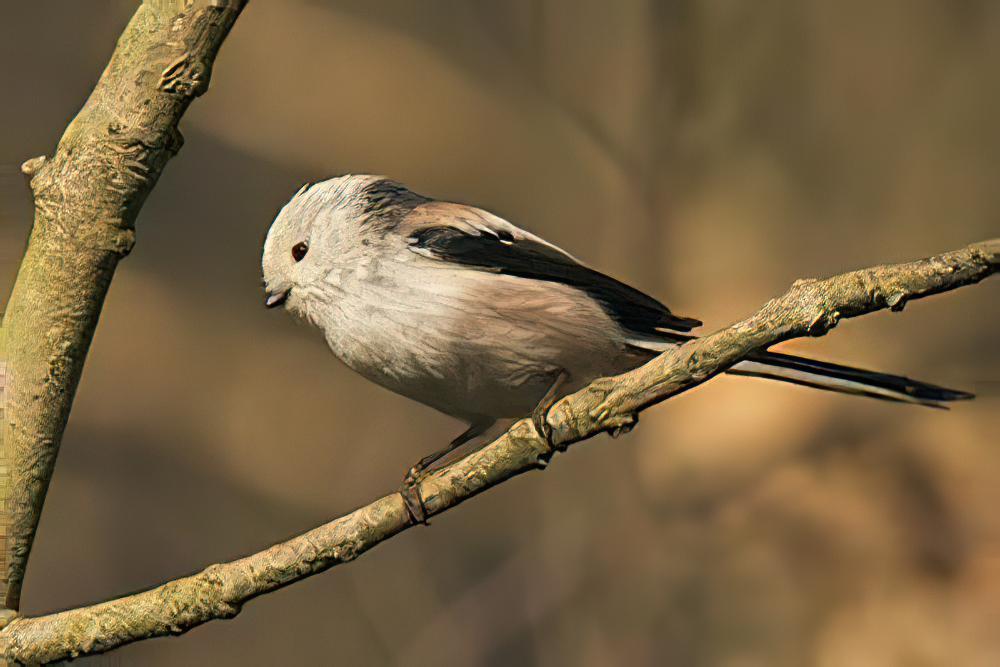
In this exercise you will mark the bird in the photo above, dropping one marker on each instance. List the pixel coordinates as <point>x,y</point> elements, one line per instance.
<point>464,312</point>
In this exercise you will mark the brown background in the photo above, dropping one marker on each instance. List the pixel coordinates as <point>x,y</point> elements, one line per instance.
<point>709,152</point>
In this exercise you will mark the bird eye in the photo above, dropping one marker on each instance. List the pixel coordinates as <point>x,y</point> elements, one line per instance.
<point>299,251</point>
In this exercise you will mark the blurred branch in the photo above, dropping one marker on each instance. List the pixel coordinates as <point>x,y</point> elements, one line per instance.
<point>87,197</point>
<point>809,308</point>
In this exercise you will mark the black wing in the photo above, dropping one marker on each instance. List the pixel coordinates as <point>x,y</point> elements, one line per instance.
<point>499,252</point>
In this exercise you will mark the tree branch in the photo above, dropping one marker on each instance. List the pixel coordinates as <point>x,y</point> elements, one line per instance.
<point>809,308</point>
<point>87,197</point>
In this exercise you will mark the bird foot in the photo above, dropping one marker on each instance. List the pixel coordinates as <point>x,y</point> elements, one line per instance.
<point>410,488</point>
<point>410,492</point>
<point>538,418</point>
<point>541,411</point>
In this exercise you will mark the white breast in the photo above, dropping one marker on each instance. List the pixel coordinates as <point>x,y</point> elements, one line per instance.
<point>466,342</point>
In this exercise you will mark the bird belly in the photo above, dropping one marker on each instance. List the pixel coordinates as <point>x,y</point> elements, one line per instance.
<point>473,344</point>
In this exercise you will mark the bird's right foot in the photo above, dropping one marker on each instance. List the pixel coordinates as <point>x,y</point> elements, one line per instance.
<point>410,492</point>
<point>539,416</point>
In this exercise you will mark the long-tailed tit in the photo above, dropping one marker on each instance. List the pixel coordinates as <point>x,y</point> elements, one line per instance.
<point>462,311</point>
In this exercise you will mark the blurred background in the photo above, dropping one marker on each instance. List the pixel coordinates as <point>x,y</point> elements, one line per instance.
<point>709,152</point>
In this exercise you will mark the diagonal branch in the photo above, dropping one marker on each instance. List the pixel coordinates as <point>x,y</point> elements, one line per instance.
<point>87,197</point>
<point>809,308</point>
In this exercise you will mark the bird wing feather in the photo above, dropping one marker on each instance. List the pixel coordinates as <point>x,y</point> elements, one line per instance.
<point>480,240</point>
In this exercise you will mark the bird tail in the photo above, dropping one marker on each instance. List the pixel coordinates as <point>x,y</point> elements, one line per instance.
<point>824,375</point>
<point>846,380</point>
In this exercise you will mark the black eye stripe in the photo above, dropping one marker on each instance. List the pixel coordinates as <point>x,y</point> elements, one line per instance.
<point>299,251</point>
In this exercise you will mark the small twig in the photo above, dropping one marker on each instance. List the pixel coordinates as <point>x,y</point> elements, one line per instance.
<point>809,308</point>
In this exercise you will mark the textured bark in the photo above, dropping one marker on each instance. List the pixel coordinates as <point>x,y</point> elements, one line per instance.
<point>87,197</point>
<point>809,308</point>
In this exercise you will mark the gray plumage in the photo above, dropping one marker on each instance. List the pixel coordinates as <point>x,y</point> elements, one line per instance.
<point>458,309</point>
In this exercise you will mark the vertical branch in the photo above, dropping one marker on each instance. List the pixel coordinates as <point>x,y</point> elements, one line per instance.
<point>4,477</point>
<point>87,197</point>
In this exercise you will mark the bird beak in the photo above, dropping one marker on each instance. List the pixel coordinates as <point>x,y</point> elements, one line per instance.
<point>276,299</point>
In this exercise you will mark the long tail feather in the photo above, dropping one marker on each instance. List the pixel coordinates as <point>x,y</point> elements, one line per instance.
<point>824,375</point>
<point>844,379</point>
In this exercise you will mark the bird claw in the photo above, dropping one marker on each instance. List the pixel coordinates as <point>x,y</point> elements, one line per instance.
<point>540,414</point>
<point>538,418</point>
<point>624,428</point>
<point>410,493</point>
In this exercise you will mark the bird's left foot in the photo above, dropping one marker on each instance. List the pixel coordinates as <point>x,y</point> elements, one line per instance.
<point>410,489</point>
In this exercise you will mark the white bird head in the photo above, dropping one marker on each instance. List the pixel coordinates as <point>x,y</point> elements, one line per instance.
<point>311,233</point>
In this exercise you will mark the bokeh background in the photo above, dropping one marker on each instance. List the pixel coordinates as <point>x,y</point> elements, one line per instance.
<point>709,152</point>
